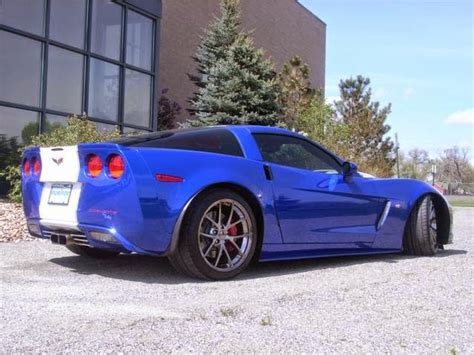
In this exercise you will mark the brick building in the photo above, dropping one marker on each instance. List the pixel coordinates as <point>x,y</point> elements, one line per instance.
<point>111,58</point>
<point>282,28</point>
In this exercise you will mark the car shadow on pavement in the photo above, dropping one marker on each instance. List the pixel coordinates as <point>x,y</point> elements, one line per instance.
<point>137,268</point>
<point>449,252</point>
<point>146,269</point>
<point>268,269</point>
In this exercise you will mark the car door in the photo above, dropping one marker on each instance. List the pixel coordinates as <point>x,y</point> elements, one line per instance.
<point>313,201</point>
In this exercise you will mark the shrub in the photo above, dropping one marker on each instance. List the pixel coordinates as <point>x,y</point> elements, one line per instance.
<point>9,155</point>
<point>168,112</point>
<point>12,174</point>
<point>77,130</point>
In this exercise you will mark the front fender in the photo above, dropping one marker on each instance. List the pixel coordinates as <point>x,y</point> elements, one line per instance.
<point>408,192</point>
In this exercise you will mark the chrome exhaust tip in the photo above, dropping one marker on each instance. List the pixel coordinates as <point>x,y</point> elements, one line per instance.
<point>58,239</point>
<point>62,239</point>
<point>54,239</point>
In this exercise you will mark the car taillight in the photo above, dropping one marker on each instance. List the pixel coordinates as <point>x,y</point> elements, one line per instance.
<point>94,165</point>
<point>116,166</point>
<point>36,166</point>
<point>26,167</point>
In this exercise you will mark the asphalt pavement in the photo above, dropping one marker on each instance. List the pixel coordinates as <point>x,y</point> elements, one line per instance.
<point>55,302</point>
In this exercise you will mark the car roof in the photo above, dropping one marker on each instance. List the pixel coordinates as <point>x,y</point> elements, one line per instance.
<point>232,128</point>
<point>262,129</point>
<point>236,129</point>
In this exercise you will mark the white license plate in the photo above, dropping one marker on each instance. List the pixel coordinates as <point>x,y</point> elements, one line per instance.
<point>60,194</point>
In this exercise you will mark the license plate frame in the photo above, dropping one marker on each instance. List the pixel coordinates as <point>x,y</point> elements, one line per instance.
<point>60,194</point>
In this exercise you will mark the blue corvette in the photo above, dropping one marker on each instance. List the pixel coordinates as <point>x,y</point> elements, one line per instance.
<point>214,199</point>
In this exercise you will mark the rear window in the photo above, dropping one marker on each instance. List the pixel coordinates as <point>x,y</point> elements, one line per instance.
<point>212,140</point>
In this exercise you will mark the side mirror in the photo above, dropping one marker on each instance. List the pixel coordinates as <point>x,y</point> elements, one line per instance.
<point>349,169</point>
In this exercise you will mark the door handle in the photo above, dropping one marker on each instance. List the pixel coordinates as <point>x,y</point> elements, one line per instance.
<point>268,172</point>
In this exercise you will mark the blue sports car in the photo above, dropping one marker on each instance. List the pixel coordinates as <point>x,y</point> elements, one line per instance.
<point>214,199</point>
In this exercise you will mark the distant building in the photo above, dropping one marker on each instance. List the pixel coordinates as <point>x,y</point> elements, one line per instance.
<point>107,58</point>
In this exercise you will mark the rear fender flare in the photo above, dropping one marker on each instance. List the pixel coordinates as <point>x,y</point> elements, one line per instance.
<point>244,192</point>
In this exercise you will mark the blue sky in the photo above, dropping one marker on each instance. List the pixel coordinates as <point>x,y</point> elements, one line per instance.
<point>418,55</point>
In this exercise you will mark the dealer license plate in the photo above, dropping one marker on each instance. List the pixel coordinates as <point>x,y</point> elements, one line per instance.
<point>60,194</point>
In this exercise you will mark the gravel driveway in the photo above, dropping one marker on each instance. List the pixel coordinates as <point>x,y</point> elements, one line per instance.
<point>53,301</point>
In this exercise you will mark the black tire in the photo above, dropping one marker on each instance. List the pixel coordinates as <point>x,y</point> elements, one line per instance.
<point>421,230</point>
<point>189,257</point>
<point>91,252</point>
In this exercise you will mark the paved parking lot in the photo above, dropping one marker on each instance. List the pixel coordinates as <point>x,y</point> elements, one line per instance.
<point>54,301</point>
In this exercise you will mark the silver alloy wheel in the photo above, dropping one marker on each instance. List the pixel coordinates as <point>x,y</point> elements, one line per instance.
<point>433,226</point>
<point>225,235</point>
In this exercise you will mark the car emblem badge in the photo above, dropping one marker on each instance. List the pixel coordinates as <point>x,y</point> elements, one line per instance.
<point>58,161</point>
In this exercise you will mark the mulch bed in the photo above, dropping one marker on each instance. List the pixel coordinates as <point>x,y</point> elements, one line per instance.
<point>12,223</point>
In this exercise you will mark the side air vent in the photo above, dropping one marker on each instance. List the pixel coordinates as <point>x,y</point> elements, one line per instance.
<point>384,215</point>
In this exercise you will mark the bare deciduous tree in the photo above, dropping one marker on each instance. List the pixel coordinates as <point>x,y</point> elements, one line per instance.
<point>416,165</point>
<point>454,166</point>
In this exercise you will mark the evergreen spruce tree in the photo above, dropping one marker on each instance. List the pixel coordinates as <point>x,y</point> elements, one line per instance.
<point>296,92</point>
<point>366,122</point>
<point>218,38</point>
<point>238,85</point>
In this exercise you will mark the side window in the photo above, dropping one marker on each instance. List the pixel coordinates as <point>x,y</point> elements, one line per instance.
<point>295,152</point>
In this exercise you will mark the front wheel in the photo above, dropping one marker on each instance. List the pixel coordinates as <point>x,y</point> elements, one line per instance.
<point>421,233</point>
<point>218,237</point>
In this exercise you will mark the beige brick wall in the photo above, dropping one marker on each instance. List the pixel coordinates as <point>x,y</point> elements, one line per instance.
<point>281,27</point>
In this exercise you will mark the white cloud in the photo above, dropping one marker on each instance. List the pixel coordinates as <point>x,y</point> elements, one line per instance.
<point>409,92</point>
<point>461,117</point>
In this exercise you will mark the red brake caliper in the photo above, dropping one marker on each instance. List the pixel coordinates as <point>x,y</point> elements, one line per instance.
<point>232,232</point>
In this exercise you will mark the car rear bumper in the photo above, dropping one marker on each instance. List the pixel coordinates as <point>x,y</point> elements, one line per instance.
<point>84,235</point>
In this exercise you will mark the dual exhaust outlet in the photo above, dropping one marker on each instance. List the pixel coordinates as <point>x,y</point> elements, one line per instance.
<point>59,239</point>
<point>62,238</point>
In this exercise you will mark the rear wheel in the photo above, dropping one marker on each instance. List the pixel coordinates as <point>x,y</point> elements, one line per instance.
<point>218,237</point>
<point>421,234</point>
<point>91,252</point>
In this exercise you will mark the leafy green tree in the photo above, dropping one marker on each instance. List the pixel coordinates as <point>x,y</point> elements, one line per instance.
<point>31,130</point>
<point>318,122</point>
<point>8,150</point>
<point>239,85</point>
<point>366,122</point>
<point>296,91</point>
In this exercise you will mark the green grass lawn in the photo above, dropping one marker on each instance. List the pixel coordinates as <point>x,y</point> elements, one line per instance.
<point>461,201</point>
